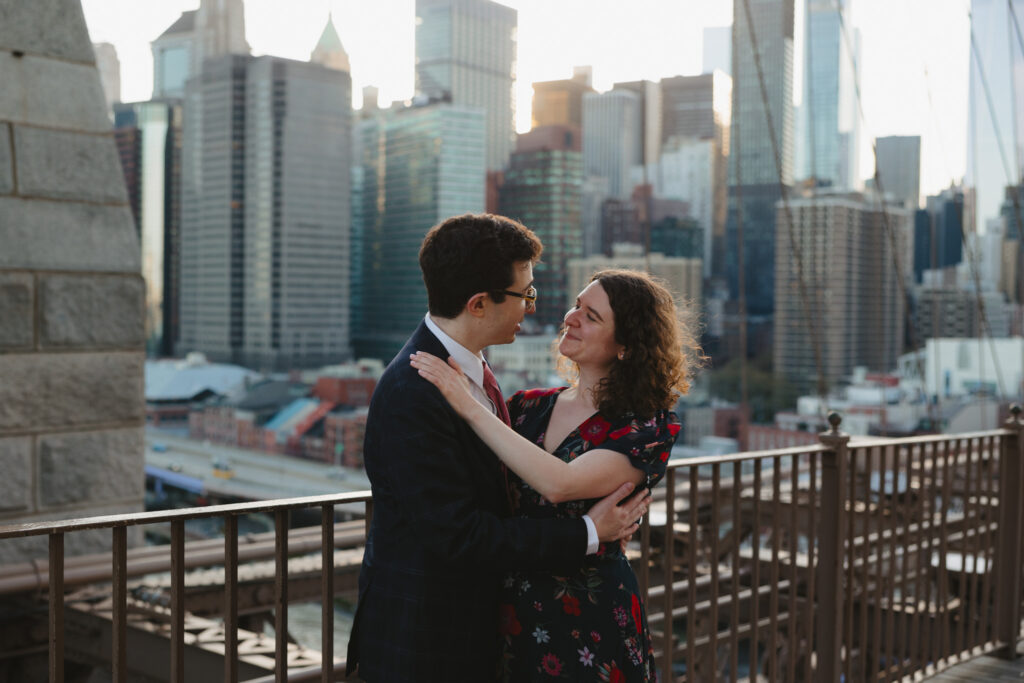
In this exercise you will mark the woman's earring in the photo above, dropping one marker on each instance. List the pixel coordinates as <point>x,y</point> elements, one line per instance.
<point>622,354</point>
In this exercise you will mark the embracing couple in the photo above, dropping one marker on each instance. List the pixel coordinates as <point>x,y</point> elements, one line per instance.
<point>493,552</point>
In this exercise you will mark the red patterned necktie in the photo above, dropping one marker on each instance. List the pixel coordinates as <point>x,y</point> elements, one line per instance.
<point>494,393</point>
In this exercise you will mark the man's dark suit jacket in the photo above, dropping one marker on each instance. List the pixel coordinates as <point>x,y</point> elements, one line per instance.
<point>440,538</point>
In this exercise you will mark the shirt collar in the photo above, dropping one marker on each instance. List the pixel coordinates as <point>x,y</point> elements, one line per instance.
<point>472,364</point>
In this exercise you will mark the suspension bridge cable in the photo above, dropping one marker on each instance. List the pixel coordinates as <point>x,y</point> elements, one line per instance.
<point>886,219</point>
<point>797,254</point>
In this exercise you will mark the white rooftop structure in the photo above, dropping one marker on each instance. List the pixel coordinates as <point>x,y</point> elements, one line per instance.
<point>184,379</point>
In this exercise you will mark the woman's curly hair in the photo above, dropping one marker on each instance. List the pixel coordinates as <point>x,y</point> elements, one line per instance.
<point>661,349</point>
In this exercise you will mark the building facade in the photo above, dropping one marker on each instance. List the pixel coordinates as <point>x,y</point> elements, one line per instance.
<point>543,189</point>
<point>613,138</point>
<point>416,166</point>
<point>830,139</point>
<point>560,103</point>
<point>266,213</point>
<point>466,54</point>
<point>939,232</point>
<point>898,168</point>
<point>852,302</point>
<point>696,120</point>
<point>991,143</point>
<point>149,137</point>
<point>216,28</point>
<point>759,167</point>
<point>957,312</point>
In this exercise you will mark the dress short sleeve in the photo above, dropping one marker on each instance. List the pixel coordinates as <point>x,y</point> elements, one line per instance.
<point>647,443</point>
<point>523,402</point>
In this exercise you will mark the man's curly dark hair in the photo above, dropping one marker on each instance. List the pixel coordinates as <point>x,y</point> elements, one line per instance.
<point>661,349</point>
<point>473,253</point>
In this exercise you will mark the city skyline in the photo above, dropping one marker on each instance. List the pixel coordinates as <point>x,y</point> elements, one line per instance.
<point>913,82</point>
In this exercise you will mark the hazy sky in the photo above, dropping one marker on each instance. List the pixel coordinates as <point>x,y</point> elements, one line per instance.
<point>913,72</point>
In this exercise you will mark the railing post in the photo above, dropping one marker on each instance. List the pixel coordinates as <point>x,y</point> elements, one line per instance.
<point>831,541</point>
<point>1008,548</point>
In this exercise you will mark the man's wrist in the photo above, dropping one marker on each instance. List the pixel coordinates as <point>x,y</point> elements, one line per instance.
<point>593,542</point>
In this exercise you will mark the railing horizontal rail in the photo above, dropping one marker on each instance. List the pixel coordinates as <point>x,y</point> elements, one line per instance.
<point>83,569</point>
<point>745,456</point>
<point>140,518</point>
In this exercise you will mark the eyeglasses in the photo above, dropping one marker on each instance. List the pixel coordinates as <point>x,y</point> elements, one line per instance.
<point>530,297</point>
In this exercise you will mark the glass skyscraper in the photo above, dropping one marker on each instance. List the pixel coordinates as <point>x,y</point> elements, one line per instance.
<point>466,55</point>
<point>755,175</point>
<point>544,190</point>
<point>154,191</point>
<point>613,138</point>
<point>416,167</point>
<point>830,125</point>
<point>995,152</point>
<point>266,213</point>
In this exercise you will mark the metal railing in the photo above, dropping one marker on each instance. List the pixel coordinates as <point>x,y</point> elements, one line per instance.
<point>870,560</point>
<point>119,524</point>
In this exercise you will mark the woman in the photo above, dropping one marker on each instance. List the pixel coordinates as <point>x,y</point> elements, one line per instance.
<point>623,345</point>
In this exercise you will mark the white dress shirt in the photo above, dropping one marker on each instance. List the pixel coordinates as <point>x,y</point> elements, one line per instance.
<point>472,365</point>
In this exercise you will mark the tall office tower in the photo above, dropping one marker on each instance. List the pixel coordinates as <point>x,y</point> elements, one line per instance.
<point>613,138</point>
<point>149,137</point>
<point>686,172</point>
<point>216,28</point>
<point>853,292</point>
<point>938,232</point>
<point>110,73</point>
<point>419,165</point>
<point>830,127</point>
<point>1011,222</point>
<point>995,149</point>
<point>755,178</point>
<point>266,212</point>
<point>899,167</point>
<point>544,190</point>
<point>650,117</point>
<point>220,30</point>
<point>696,118</point>
<point>466,54</point>
<point>716,51</point>
<point>560,103</point>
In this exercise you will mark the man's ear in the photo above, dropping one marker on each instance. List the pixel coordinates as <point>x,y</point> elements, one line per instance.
<point>477,304</point>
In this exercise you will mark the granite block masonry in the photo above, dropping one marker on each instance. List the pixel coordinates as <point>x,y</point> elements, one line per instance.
<point>71,292</point>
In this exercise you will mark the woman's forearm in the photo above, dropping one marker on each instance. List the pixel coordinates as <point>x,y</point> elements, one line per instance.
<point>591,475</point>
<point>538,468</point>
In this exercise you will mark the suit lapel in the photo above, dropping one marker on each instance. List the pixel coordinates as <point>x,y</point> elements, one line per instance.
<point>479,458</point>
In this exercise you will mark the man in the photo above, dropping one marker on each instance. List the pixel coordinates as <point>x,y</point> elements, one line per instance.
<point>441,535</point>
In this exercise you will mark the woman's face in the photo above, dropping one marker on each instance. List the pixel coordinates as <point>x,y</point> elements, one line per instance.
<point>589,337</point>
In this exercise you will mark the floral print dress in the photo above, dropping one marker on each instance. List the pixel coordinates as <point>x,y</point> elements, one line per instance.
<point>590,625</point>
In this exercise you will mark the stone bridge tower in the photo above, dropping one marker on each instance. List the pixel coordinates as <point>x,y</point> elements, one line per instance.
<point>71,293</point>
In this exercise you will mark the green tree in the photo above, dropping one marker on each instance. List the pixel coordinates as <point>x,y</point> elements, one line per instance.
<point>767,392</point>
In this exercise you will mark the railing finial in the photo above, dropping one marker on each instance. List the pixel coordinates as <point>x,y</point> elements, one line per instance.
<point>835,419</point>
<point>1014,420</point>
